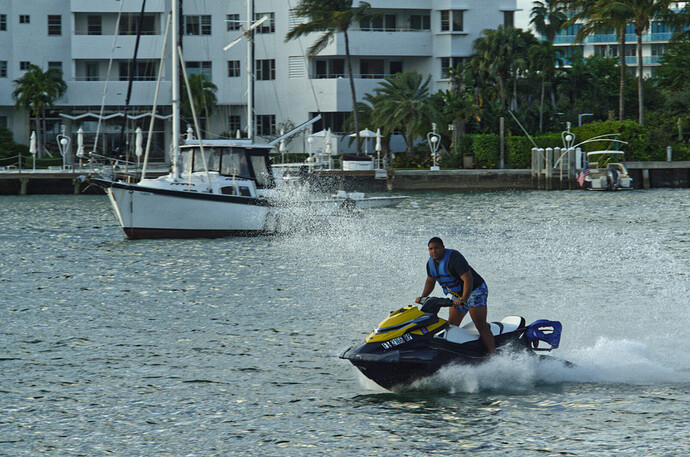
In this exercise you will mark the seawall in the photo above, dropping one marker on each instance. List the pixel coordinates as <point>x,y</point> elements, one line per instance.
<point>645,175</point>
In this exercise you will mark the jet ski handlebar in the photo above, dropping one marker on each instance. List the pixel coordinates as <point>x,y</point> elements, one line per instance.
<point>433,305</point>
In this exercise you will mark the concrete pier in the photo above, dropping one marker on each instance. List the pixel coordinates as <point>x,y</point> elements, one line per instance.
<point>646,175</point>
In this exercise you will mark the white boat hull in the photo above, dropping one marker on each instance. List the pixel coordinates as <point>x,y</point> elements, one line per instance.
<point>154,213</point>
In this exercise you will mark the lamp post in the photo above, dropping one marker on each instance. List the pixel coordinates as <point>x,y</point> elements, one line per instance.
<point>451,129</point>
<point>580,116</point>
<point>63,145</point>
<point>310,140</point>
<point>434,140</point>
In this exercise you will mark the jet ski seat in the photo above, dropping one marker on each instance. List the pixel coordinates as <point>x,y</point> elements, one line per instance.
<point>469,332</point>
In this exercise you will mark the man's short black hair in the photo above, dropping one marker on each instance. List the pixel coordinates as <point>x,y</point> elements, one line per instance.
<point>435,240</point>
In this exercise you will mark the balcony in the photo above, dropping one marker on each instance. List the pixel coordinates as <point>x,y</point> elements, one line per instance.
<point>113,6</point>
<point>646,60</point>
<point>395,5</point>
<point>630,38</point>
<point>93,46</point>
<point>85,92</point>
<point>398,42</point>
<point>334,94</point>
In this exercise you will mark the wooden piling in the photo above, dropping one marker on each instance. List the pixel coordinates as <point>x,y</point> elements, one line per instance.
<point>548,175</point>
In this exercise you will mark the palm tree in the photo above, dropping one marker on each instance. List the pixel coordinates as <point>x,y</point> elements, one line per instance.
<point>331,17</point>
<point>458,102</point>
<point>203,97</point>
<point>402,102</point>
<point>542,57</point>
<point>673,73</point>
<point>498,56</point>
<point>641,12</point>
<point>548,18</point>
<point>617,14</point>
<point>596,18</point>
<point>36,91</point>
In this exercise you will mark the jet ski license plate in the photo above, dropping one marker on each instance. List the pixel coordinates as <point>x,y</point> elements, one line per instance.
<point>397,341</point>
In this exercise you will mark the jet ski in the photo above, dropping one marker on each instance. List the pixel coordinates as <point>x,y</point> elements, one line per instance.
<point>413,343</point>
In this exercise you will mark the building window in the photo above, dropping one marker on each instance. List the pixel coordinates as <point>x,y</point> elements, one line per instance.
<point>449,63</point>
<point>396,66</point>
<point>232,21</point>
<point>197,25</point>
<point>572,51</point>
<point>199,68</point>
<point>54,25</point>
<point>508,19</point>
<point>267,27</point>
<point>3,121</point>
<point>265,70</point>
<point>233,68</point>
<point>3,22</point>
<point>631,51</point>
<point>143,71</point>
<point>658,49</point>
<point>24,19</point>
<point>3,69</point>
<point>93,25</point>
<point>420,22</point>
<point>92,71</point>
<point>55,66</point>
<point>571,30</point>
<point>129,24</point>
<point>372,68</point>
<point>265,124</point>
<point>330,68</point>
<point>660,27</point>
<point>234,123</point>
<point>387,22</point>
<point>333,120</point>
<point>24,65</point>
<point>452,21</point>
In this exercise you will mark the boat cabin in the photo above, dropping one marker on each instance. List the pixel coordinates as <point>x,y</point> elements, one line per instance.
<point>237,162</point>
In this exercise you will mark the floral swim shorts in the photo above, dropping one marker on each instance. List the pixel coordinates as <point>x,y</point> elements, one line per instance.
<point>477,298</point>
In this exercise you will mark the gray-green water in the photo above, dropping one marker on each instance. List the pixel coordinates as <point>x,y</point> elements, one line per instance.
<point>230,346</point>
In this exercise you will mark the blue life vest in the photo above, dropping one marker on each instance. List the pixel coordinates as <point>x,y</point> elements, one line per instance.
<point>450,284</point>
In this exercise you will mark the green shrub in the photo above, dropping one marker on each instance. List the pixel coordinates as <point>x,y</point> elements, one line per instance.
<point>7,144</point>
<point>486,149</point>
<point>518,151</point>
<point>420,157</point>
<point>637,136</point>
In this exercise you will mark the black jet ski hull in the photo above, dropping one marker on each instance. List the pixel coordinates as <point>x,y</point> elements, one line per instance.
<point>421,357</point>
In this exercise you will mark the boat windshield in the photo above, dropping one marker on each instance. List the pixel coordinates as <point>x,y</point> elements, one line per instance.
<point>236,162</point>
<point>193,159</point>
<point>601,159</point>
<point>263,175</point>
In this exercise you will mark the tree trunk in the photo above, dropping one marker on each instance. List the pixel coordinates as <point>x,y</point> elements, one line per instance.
<point>621,89</point>
<point>38,134</point>
<point>541,105</point>
<point>514,101</point>
<point>355,115</point>
<point>640,89</point>
<point>409,137</point>
<point>501,93</point>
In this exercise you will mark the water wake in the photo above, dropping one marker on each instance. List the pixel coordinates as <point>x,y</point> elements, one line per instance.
<point>607,362</point>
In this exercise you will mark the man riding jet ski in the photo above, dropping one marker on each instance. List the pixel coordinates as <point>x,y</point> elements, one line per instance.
<point>411,343</point>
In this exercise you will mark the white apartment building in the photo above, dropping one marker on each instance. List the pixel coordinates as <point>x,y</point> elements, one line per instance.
<point>82,36</point>
<point>654,42</point>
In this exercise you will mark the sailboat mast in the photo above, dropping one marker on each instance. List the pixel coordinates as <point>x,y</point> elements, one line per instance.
<point>250,76</point>
<point>175,91</point>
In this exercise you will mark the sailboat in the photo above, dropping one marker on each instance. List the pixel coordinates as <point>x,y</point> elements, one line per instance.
<point>215,187</point>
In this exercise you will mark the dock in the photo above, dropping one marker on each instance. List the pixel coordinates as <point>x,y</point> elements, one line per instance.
<point>646,175</point>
